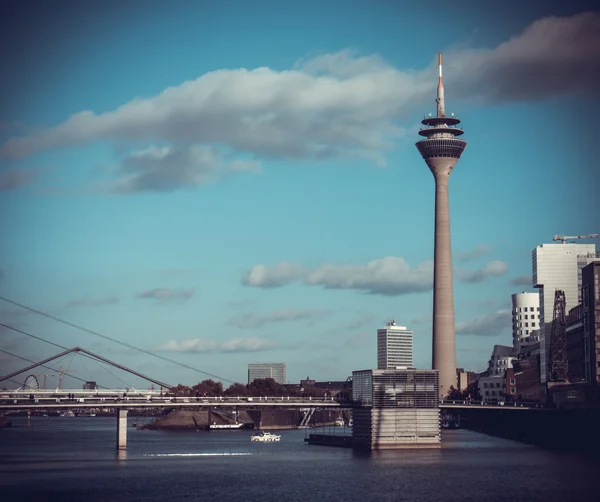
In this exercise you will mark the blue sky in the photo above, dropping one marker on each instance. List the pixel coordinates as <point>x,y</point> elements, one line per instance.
<point>234,182</point>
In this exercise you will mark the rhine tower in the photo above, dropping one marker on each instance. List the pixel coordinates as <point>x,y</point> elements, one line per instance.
<point>441,150</point>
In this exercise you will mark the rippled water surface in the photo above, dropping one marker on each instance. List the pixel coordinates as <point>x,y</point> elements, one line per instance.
<point>61,458</point>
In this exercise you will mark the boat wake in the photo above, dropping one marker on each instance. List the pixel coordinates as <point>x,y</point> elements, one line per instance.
<point>196,454</point>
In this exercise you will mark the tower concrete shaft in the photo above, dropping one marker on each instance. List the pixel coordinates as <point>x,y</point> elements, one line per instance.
<point>441,150</point>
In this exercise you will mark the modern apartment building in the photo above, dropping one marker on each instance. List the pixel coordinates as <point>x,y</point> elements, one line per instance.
<point>557,266</point>
<point>590,315</point>
<point>394,347</point>
<point>257,371</point>
<point>525,320</point>
<point>501,360</point>
<point>492,383</point>
<point>583,345</point>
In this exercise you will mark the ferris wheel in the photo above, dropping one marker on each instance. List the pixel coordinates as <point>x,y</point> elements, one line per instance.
<point>31,383</point>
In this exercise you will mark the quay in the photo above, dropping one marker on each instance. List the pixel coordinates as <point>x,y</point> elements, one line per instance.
<point>330,440</point>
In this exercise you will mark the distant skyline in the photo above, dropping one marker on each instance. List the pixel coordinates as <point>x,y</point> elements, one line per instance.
<point>226,183</point>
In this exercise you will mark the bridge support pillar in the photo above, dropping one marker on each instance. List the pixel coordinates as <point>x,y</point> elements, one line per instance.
<point>122,430</point>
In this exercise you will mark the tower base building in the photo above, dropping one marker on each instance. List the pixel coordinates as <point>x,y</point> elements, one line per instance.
<point>399,409</point>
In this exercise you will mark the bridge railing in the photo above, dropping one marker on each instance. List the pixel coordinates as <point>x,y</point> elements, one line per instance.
<point>15,397</point>
<point>513,404</point>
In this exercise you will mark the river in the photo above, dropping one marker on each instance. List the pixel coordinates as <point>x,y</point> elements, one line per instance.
<point>62,458</point>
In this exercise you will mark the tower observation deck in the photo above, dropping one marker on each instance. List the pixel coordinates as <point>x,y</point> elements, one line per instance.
<point>441,150</point>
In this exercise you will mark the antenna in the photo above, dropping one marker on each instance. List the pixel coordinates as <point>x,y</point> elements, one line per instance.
<point>441,110</point>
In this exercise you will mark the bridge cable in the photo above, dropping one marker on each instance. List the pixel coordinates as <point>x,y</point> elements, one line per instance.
<point>43,366</point>
<point>65,348</point>
<point>33,336</point>
<point>114,340</point>
<point>105,368</point>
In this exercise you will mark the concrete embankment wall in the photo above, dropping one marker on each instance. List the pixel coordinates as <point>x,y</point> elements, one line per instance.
<point>574,430</point>
<point>290,419</point>
<point>260,419</point>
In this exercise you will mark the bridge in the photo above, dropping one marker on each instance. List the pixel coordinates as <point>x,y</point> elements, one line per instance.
<point>131,399</point>
<point>31,398</point>
<point>124,401</point>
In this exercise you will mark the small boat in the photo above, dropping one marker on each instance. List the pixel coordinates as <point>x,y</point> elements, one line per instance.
<point>225,426</point>
<point>340,422</point>
<point>264,437</point>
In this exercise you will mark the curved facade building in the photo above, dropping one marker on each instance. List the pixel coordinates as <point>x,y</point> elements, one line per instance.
<point>525,319</point>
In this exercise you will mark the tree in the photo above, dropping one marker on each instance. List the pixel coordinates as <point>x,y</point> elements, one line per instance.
<point>453,394</point>
<point>208,388</point>
<point>180,390</point>
<point>266,387</point>
<point>237,389</point>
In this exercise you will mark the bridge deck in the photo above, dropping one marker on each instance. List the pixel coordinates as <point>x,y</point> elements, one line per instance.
<point>138,402</point>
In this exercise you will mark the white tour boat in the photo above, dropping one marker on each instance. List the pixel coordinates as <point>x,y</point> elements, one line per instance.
<point>225,426</point>
<point>265,437</point>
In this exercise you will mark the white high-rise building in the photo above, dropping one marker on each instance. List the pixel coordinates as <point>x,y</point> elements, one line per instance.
<point>394,347</point>
<point>557,266</point>
<point>257,371</point>
<point>525,319</point>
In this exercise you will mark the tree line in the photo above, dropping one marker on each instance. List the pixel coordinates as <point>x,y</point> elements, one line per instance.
<point>257,388</point>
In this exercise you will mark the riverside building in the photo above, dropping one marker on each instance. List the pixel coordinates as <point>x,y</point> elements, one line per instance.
<point>525,320</point>
<point>557,266</point>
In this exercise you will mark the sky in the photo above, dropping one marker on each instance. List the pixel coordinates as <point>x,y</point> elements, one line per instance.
<point>227,182</point>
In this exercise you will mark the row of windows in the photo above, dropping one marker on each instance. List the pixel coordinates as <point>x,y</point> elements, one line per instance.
<point>520,325</point>
<point>491,385</point>
<point>531,339</point>
<point>524,309</point>
<point>522,332</point>
<point>441,147</point>
<point>526,316</point>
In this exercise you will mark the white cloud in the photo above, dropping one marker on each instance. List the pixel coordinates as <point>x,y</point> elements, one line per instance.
<point>494,268</point>
<point>390,276</point>
<point>522,280</point>
<point>283,315</point>
<point>164,294</point>
<point>387,276</point>
<point>283,273</point>
<point>553,56</point>
<point>253,344</point>
<point>332,105</point>
<point>473,253</point>
<point>166,169</point>
<point>486,325</point>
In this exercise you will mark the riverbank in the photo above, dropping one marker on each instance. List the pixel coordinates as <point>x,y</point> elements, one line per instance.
<point>254,419</point>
